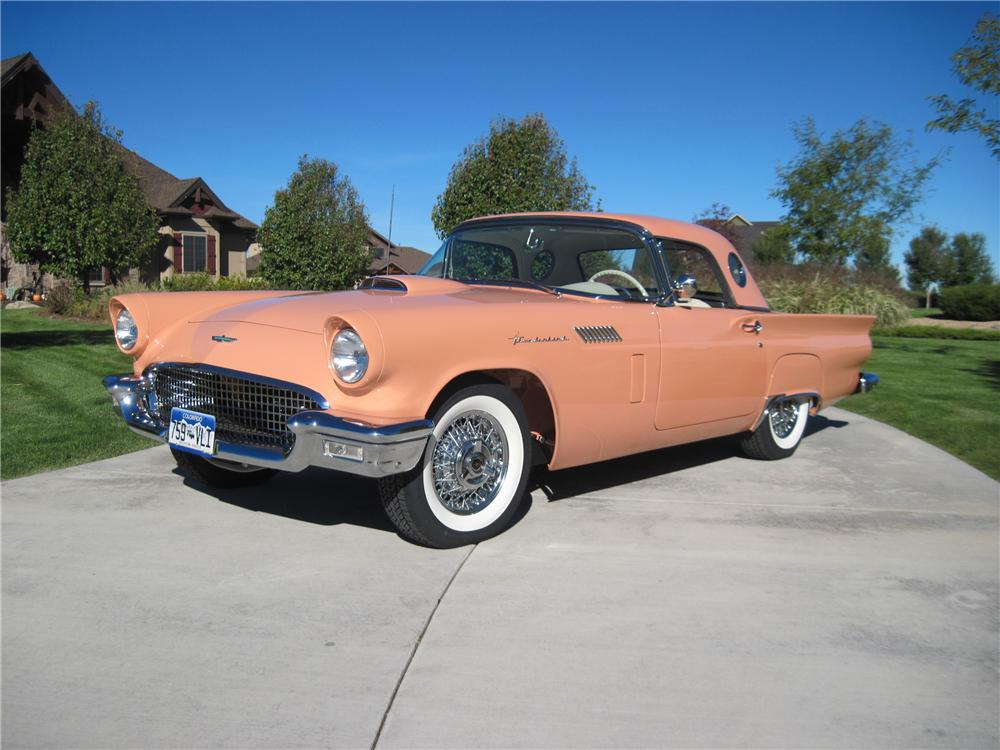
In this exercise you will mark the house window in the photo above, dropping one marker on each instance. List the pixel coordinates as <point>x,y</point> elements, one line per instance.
<point>95,275</point>
<point>195,252</point>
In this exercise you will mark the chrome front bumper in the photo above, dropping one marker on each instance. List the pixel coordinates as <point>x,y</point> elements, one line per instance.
<point>321,439</point>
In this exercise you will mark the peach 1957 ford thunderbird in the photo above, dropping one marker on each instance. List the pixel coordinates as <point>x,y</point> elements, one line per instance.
<point>556,338</point>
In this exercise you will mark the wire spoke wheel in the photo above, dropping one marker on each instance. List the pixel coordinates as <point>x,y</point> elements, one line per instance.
<point>469,462</point>
<point>783,419</point>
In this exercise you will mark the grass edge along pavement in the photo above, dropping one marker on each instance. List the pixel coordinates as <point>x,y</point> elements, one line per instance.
<point>55,412</point>
<point>943,391</point>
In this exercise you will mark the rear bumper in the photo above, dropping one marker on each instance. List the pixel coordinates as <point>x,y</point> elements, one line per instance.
<point>321,439</point>
<point>866,382</point>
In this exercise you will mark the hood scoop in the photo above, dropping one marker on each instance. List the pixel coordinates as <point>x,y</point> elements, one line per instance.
<point>411,285</point>
<point>383,284</point>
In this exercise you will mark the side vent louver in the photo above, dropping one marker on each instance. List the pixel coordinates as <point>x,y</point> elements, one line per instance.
<point>598,334</point>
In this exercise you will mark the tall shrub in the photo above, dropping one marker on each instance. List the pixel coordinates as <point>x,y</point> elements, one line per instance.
<point>519,166</point>
<point>315,236</point>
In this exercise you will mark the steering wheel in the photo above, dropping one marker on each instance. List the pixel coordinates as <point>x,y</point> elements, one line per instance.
<point>615,272</point>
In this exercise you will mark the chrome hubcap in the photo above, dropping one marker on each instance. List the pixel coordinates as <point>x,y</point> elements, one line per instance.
<point>469,462</point>
<point>783,418</point>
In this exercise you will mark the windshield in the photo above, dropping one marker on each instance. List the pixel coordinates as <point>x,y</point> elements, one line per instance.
<point>567,258</point>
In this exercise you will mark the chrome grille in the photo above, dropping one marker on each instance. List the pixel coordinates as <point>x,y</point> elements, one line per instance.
<point>598,334</point>
<point>246,411</point>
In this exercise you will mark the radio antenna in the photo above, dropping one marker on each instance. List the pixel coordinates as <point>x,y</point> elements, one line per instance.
<point>388,250</point>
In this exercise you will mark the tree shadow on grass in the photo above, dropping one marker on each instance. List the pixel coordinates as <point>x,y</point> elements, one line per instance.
<point>990,371</point>
<point>40,339</point>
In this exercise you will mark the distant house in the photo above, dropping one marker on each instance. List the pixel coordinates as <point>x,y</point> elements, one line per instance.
<point>392,258</point>
<point>742,232</point>
<point>200,232</point>
<point>401,258</point>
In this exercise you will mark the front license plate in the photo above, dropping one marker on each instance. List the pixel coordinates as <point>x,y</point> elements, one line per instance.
<point>192,431</point>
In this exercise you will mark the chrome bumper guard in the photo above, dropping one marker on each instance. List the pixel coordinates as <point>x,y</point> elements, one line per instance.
<point>866,382</point>
<point>321,439</point>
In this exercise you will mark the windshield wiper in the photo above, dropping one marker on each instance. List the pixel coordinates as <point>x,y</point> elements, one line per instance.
<point>516,282</point>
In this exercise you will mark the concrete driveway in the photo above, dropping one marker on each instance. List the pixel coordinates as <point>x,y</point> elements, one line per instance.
<point>846,597</point>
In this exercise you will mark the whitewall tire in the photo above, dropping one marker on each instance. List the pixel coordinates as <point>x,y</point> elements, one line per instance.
<point>779,433</point>
<point>473,474</point>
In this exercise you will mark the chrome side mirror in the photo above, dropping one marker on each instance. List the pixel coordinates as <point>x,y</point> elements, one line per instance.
<point>686,284</point>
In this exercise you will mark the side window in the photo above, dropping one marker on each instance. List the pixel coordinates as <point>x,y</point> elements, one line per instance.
<point>482,261</point>
<point>690,260</point>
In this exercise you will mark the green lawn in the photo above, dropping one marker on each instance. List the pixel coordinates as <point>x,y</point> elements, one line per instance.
<point>53,409</point>
<point>923,312</point>
<point>944,392</point>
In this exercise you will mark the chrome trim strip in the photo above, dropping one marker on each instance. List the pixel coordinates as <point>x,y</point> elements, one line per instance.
<point>386,449</point>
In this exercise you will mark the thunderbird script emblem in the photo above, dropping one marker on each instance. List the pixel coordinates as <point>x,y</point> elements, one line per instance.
<point>223,339</point>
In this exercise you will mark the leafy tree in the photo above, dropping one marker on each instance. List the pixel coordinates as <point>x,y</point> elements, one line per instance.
<point>774,246</point>
<point>928,260</point>
<point>315,236</point>
<point>844,193</point>
<point>978,67</point>
<point>970,264</point>
<point>519,166</point>
<point>77,206</point>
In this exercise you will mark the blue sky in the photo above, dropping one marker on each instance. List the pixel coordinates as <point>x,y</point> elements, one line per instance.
<point>668,107</point>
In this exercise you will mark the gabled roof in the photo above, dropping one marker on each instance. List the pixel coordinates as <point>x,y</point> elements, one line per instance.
<point>164,192</point>
<point>12,65</point>
<point>161,189</point>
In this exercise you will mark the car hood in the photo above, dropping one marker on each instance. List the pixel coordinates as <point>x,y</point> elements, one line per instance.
<point>310,311</point>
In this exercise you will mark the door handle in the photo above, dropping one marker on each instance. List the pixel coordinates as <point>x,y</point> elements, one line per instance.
<point>755,327</point>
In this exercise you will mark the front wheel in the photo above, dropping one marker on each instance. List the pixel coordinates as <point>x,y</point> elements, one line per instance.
<point>473,474</point>
<point>779,433</point>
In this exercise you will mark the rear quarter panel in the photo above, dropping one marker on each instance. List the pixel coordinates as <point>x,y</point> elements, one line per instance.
<point>816,353</point>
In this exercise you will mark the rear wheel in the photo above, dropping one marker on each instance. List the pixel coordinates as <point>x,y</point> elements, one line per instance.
<point>219,473</point>
<point>473,474</point>
<point>779,433</point>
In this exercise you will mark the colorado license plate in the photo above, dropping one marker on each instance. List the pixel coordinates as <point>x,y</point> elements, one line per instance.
<point>192,431</point>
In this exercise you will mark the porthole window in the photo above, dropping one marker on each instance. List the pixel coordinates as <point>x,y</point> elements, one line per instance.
<point>738,271</point>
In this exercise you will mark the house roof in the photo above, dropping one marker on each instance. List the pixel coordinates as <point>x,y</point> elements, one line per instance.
<point>161,189</point>
<point>408,259</point>
<point>11,65</point>
<point>164,192</point>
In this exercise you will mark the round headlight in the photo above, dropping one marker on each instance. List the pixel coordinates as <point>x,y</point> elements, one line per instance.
<point>348,356</point>
<point>126,330</point>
